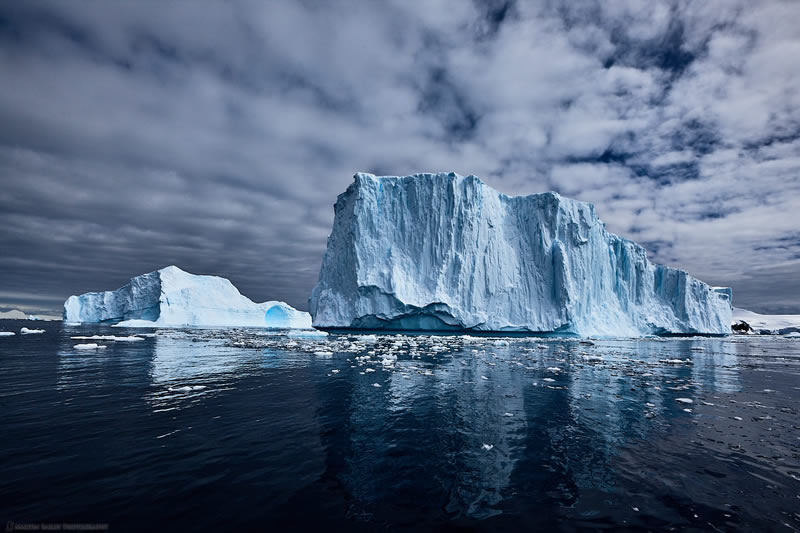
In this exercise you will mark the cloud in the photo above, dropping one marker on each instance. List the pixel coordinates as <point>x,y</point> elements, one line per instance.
<point>217,136</point>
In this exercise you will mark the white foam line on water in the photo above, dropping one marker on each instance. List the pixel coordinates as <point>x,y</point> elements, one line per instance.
<point>167,434</point>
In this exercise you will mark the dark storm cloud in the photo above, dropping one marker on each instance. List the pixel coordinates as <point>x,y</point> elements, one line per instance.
<point>216,136</point>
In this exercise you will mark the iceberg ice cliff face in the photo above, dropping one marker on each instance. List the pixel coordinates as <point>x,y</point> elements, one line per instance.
<point>171,297</point>
<point>445,252</point>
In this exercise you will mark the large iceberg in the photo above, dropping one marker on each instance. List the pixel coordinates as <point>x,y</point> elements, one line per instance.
<point>171,297</point>
<point>447,252</point>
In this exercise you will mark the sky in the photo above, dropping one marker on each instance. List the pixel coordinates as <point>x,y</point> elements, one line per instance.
<point>216,135</point>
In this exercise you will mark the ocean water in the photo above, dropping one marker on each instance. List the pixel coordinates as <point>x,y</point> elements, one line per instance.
<point>244,430</point>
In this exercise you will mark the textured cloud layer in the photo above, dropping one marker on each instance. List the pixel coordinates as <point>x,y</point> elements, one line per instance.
<point>216,136</point>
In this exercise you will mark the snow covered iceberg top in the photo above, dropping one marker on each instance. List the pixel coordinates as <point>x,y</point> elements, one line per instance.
<point>171,297</point>
<point>447,252</point>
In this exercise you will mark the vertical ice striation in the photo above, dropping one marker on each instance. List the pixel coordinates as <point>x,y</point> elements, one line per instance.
<point>442,251</point>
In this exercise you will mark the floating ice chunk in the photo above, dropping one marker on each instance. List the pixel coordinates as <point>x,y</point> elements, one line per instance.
<point>306,333</point>
<point>335,371</point>
<point>508,414</point>
<point>323,353</point>
<point>549,380</point>
<point>684,400</point>
<point>131,338</point>
<point>376,385</point>
<point>89,346</point>
<point>676,361</point>
<point>6,333</point>
<point>487,447</point>
<point>484,377</point>
<point>26,331</point>
<point>187,388</point>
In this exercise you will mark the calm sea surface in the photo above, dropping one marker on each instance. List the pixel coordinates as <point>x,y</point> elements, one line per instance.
<point>244,430</point>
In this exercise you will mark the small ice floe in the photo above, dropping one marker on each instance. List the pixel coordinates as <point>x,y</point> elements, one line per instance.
<point>335,371</point>
<point>6,333</point>
<point>484,377</point>
<point>501,343</point>
<point>792,335</point>
<point>323,353</point>
<point>131,338</point>
<point>684,400</point>
<point>89,346</point>
<point>553,369</point>
<point>592,358</point>
<point>508,414</point>
<point>648,404</point>
<point>739,418</point>
<point>187,388</point>
<point>688,410</point>
<point>307,333</point>
<point>675,361</point>
<point>487,447</point>
<point>369,370</point>
<point>706,403</point>
<point>549,380</point>
<point>26,331</point>
<point>368,338</point>
<point>376,385</point>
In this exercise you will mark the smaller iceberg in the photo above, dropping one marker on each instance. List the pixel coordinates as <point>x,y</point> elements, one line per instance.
<point>171,297</point>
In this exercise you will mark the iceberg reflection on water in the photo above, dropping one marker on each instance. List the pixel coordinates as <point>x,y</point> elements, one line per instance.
<point>515,432</point>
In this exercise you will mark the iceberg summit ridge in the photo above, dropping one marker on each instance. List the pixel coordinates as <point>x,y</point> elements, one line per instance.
<point>171,297</point>
<point>447,252</point>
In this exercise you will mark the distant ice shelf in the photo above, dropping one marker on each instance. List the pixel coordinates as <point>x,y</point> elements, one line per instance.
<point>16,314</point>
<point>447,252</point>
<point>766,324</point>
<point>171,297</point>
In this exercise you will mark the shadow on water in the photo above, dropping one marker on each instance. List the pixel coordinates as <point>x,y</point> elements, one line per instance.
<point>248,429</point>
